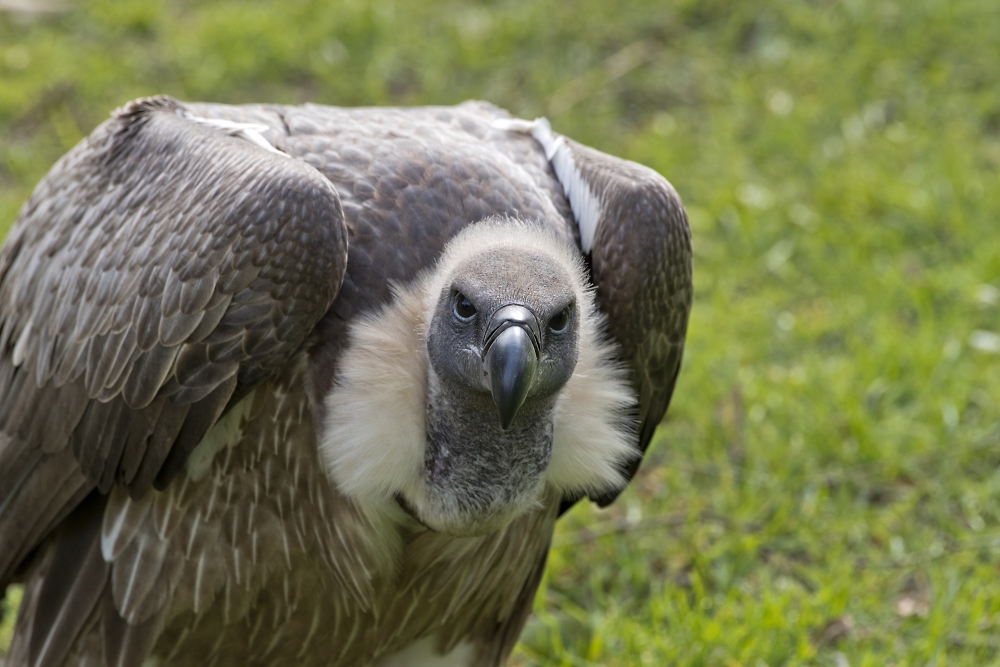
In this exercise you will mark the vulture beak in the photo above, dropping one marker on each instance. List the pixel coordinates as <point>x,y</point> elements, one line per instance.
<point>510,358</point>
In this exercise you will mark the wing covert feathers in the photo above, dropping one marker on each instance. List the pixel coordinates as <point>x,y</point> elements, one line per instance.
<point>165,264</point>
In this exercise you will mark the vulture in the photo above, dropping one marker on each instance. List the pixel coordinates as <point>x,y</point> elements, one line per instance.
<point>312,385</point>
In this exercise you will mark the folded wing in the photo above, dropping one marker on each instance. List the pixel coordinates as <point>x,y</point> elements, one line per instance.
<point>160,270</point>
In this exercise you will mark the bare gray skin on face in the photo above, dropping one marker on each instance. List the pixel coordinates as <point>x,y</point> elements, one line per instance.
<point>478,474</point>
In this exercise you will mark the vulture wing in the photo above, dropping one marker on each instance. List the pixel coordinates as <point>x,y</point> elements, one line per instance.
<point>641,265</point>
<point>162,268</point>
<point>635,231</point>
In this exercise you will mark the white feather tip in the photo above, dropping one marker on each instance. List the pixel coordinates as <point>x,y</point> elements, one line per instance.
<point>251,132</point>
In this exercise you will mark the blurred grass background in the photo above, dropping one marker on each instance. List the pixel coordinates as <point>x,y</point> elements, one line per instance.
<point>826,489</point>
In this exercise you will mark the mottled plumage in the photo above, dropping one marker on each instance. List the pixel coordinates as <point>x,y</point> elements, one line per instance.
<point>234,393</point>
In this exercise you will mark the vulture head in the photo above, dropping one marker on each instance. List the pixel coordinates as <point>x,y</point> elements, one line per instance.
<point>493,344</point>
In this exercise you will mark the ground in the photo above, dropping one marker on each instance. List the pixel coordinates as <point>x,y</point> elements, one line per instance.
<point>825,490</point>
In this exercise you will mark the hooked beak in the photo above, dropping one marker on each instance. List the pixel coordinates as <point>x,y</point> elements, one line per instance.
<point>510,358</point>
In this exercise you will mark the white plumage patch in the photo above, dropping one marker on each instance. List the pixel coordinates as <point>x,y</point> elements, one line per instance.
<point>375,438</point>
<point>586,205</point>
<point>373,445</point>
<point>248,131</point>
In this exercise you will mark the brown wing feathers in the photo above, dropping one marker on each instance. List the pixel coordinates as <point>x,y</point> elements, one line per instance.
<point>641,266</point>
<point>160,266</point>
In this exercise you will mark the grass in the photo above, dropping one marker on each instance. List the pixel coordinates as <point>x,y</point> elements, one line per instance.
<point>826,489</point>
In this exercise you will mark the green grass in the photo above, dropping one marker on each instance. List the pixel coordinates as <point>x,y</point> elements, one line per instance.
<point>826,488</point>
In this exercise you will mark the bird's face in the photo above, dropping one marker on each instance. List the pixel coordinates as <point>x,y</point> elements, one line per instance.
<point>503,340</point>
<point>482,387</point>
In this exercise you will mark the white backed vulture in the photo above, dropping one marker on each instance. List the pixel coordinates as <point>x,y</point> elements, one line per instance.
<point>311,386</point>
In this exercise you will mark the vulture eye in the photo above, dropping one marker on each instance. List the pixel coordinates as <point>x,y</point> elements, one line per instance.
<point>464,310</point>
<point>559,321</point>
